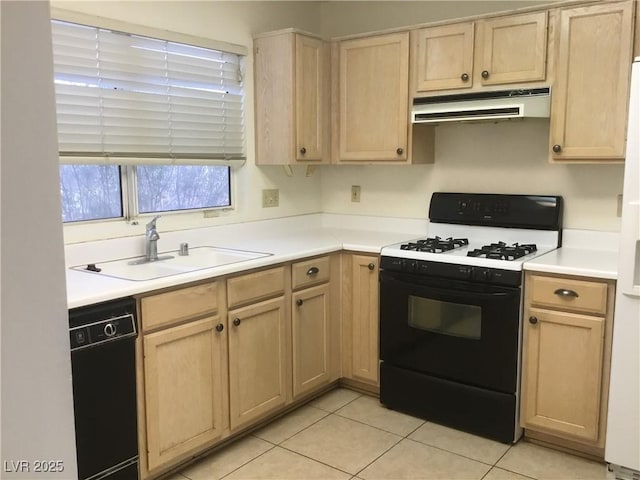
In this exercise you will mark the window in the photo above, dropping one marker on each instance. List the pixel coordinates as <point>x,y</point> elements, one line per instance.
<point>144,125</point>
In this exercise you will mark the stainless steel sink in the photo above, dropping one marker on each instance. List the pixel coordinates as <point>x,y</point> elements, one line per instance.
<point>199,258</point>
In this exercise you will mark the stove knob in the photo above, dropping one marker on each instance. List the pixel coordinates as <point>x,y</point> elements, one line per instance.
<point>480,274</point>
<point>409,265</point>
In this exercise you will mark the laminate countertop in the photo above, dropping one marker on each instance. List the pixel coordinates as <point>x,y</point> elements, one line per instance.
<point>578,256</point>
<point>284,239</point>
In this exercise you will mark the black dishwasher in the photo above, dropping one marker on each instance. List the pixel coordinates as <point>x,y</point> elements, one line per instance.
<point>103,340</point>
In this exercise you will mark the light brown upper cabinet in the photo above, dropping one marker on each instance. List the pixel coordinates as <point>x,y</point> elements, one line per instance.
<point>291,99</point>
<point>373,101</point>
<point>591,91</point>
<point>512,49</point>
<point>497,51</point>
<point>444,57</point>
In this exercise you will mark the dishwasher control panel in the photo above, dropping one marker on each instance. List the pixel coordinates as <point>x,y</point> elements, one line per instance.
<point>97,324</point>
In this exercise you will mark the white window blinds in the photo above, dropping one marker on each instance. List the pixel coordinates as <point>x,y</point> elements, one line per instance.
<point>129,99</point>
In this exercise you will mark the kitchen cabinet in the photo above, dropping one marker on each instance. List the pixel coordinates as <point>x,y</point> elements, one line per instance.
<point>566,358</point>
<point>373,103</point>
<point>292,99</point>
<point>360,319</point>
<point>183,407</point>
<point>591,90</point>
<point>259,336</point>
<point>504,50</point>
<point>311,325</point>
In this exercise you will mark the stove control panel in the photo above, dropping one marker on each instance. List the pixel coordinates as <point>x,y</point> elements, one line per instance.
<point>542,212</point>
<point>452,271</point>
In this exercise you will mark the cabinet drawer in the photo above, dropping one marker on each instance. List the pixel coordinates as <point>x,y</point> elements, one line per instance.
<point>310,272</point>
<point>255,286</point>
<point>171,307</point>
<point>568,294</point>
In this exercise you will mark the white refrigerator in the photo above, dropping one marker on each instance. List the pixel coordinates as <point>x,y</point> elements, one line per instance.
<point>622,450</point>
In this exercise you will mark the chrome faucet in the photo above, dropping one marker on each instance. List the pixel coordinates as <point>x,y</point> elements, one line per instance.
<point>151,241</point>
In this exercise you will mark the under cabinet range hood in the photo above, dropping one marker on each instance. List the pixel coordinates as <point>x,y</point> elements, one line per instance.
<point>482,106</point>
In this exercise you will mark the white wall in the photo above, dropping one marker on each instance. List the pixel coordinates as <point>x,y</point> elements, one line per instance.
<point>507,157</point>
<point>37,413</point>
<point>468,157</point>
<point>233,22</point>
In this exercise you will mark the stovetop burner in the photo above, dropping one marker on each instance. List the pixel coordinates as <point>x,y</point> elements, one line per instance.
<point>435,244</point>
<point>502,251</point>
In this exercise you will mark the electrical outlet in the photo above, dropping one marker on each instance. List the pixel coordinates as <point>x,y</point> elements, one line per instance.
<point>270,197</point>
<point>619,206</point>
<point>355,193</point>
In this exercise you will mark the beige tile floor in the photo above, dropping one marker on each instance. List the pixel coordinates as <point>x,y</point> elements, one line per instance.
<point>346,435</point>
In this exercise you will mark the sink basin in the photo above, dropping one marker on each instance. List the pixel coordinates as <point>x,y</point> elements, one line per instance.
<point>199,258</point>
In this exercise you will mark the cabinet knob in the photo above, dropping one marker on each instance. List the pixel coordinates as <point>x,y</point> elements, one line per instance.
<point>313,271</point>
<point>533,320</point>
<point>564,292</point>
<point>219,327</point>
<point>303,150</point>
<point>371,266</point>
<point>485,74</point>
<point>557,148</point>
<point>299,302</point>
<point>464,77</point>
<point>236,321</point>
<point>399,150</point>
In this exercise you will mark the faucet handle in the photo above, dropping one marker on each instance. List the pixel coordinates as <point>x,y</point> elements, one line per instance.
<point>152,224</point>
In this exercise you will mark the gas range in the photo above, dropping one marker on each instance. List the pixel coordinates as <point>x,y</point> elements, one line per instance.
<point>451,310</point>
<point>489,247</point>
<point>482,230</point>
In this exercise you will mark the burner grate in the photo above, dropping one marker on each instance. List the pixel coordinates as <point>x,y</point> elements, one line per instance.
<point>502,251</point>
<point>435,244</point>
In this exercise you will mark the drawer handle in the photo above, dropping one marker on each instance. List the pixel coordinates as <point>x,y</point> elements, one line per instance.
<point>219,327</point>
<point>299,302</point>
<point>313,271</point>
<point>236,321</point>
<point>563,292</point>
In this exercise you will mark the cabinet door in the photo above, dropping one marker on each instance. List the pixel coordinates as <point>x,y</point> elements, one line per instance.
<point>591,92</point>
<point>444,57</point>
<point>185,374</point>
<point>257,360</point>
<point>373,97</point>
<point>563,373</point>
<point>363,331</point>
<point>311,96</point>
<point>274,93</point>
<point>512,49</point>
<point>311,334</point>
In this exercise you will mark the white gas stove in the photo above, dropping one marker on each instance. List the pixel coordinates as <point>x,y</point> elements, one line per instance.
<point>491,247</point>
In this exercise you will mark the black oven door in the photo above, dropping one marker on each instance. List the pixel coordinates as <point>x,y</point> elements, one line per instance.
<point>460,331</point>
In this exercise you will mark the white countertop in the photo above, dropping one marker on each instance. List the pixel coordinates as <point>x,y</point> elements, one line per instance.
<point>293,238</point>
<point>286,239</point>
<point>578,257</point>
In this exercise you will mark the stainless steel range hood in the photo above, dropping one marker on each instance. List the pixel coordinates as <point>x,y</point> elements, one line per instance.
<point>482,106</point>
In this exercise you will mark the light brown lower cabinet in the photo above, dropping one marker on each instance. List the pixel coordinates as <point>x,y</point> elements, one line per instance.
<point>185,389</point>
<point>360,354</point>
<point>258,367</point>
<point>567,342</point>
<point>311,339</point>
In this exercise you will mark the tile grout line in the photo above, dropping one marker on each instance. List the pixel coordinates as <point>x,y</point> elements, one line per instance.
<point>326,414</point>
<point>249,461</point>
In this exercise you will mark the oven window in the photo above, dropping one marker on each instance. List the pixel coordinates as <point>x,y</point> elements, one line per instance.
<point>455,319</point>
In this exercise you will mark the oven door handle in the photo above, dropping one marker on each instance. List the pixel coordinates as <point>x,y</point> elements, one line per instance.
<point>486,291</point>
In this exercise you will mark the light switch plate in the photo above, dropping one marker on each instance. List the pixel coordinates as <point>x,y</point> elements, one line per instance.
<point>619,206</point>
<point>355,193</point>
<point>270,197</point>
